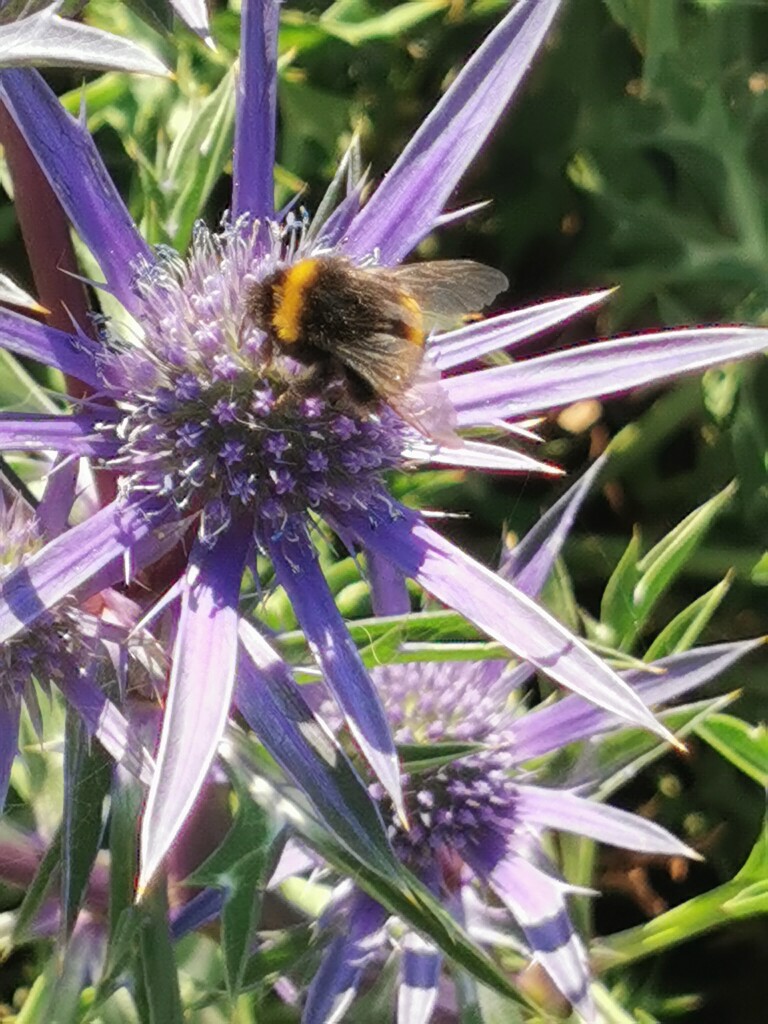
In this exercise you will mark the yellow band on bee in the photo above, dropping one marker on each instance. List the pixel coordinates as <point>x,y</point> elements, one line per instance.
<point>414,331</point>
<point>286,318</point>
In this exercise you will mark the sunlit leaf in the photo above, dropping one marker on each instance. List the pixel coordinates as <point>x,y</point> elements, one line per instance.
<point>744,745</point>
<point>45,40</point>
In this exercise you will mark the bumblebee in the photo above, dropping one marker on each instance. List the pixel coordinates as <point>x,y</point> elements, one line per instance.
<point>368,325</point>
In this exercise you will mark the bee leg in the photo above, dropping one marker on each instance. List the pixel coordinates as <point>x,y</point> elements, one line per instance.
<point>267,352</point>
<point>360,390</point>
<point>313,382</point>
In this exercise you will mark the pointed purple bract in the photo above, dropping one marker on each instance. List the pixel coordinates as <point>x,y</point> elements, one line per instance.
<point>195,15</point>
<point>389,595</point>
<point>537,902</point>
<point>528,564</point>
<point>70,561</point>
<point>549,728</point>
<point>71,163</point>
<point>75,356</point>
<point>10,711</point>
<point>254,157</point>
<point>297,570</point>
<point>200,691</point>
<point>419,980</point>
<point>335,984</point>
<point>58,497</point>
<point>412,196</point>
<point>73,435</point>
<point>498,608</point>
<point>507,330</point>
<point>592,371</point>
<point>107,723</point>
<point>274,707</point>
<point>568,812</point>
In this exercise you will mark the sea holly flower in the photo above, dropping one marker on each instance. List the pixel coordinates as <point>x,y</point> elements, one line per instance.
<point>478,823</point>
<point>68,647</point>
<point>204,427</point>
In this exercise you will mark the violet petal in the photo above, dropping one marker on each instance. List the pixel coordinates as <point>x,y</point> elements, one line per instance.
<point>339,659</point>
<point>501,610</point>
<point>200,690</point>
<point>411,197</point>
<point>75,356</point>
<point>254,157</point>
<point>478,339</point>
<point>592,371</point>
<point>70,161</point>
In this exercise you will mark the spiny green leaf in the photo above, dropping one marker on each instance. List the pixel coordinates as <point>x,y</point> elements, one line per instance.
<point>123,942</point>
<point>198,157</point>
<point>125,808</point>
<point>157,979</point>
<point>616,611</point>
<point>687,626</point>
<point>401,18</point>
<point>87,778</point>
<point>276,957</point>
<point>241,866</point>
<point>744,745</point>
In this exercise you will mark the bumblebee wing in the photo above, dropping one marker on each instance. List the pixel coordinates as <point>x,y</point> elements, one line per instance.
<point>398,374</point>
<point>427,407</point>
<point>447,289</point>
<point>388,363</point>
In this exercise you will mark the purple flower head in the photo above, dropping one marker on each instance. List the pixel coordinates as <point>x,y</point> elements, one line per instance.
<point>67,648</point>
<point>478,822</point>
<point>208,432</point>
